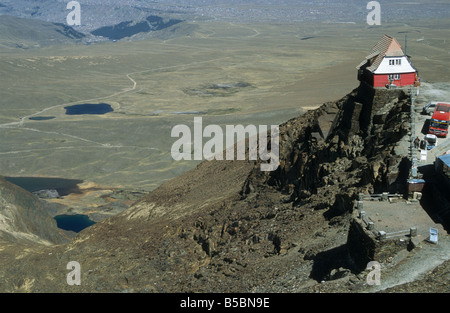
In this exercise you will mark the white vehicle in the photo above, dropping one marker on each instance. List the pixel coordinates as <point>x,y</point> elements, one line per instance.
<point>428,109</point>
<point>431,141</point>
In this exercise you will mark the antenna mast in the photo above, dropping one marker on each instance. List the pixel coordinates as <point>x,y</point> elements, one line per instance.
<point>406,44</point>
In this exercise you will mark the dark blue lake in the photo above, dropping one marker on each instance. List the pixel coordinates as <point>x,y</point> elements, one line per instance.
<point>75,223</point>
<point>88,108</point>
<point>33,184</point>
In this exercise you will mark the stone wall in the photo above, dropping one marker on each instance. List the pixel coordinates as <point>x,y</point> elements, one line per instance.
<point>365,245</point>
<point>361,244</point>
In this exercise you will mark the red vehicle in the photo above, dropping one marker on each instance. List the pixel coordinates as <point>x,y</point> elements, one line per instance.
<point>440,120</point>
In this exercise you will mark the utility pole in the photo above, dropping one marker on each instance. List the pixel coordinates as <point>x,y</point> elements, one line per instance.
<point>414,161</point>
<point>406,44</point>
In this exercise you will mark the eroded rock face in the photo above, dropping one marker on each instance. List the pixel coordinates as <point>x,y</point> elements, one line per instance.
<point>357,155</point>
<point>228,227</point>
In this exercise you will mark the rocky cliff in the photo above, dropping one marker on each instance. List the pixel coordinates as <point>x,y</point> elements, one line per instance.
<point>228,227</point>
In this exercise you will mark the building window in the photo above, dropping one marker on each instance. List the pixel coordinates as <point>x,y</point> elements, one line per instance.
<point>394,77</point>
<point>395,62</point>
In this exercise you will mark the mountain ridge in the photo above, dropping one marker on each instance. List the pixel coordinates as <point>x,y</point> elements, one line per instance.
<point>225,226</point>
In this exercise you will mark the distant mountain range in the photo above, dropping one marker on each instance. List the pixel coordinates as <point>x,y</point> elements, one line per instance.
<point>16,32</point>
<point>101,13</point>
<point>94,14</point>
<point>118,19</point>
<point>130,28</point>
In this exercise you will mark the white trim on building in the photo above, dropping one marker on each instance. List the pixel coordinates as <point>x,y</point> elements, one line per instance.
<point>395,65</point>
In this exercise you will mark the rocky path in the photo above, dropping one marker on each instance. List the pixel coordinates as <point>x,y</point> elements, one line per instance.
<point>419,262</point>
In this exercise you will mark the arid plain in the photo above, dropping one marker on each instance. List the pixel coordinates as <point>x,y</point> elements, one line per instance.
<point>228,73</point>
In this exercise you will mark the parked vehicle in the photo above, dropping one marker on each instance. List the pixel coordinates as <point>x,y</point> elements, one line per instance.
<point>431,141</point>
<point>428,108</point>
<point>440,120</point>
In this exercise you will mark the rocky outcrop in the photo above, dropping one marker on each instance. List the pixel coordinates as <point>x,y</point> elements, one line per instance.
<point>357,155</point>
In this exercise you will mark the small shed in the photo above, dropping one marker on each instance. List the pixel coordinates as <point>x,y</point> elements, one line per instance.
<point>415,185</point>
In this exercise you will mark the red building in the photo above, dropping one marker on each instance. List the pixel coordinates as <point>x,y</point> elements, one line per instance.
<point>387,65</point>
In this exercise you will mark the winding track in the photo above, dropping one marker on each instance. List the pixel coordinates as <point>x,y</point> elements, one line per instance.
<point>21,123</point>
<point>23,119</point>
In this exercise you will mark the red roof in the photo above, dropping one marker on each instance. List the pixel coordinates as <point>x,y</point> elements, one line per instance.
<point>387,46</point>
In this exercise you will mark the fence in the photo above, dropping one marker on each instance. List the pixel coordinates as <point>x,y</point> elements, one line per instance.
<point>380,196</point>
<point>412,232</point>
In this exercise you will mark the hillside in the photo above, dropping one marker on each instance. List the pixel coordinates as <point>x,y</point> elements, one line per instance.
<point>24,217</point>
<point>18,32</point>
<point>228,227</point>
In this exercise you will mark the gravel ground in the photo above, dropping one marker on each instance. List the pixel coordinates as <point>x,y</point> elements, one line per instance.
<point>417,265</point>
